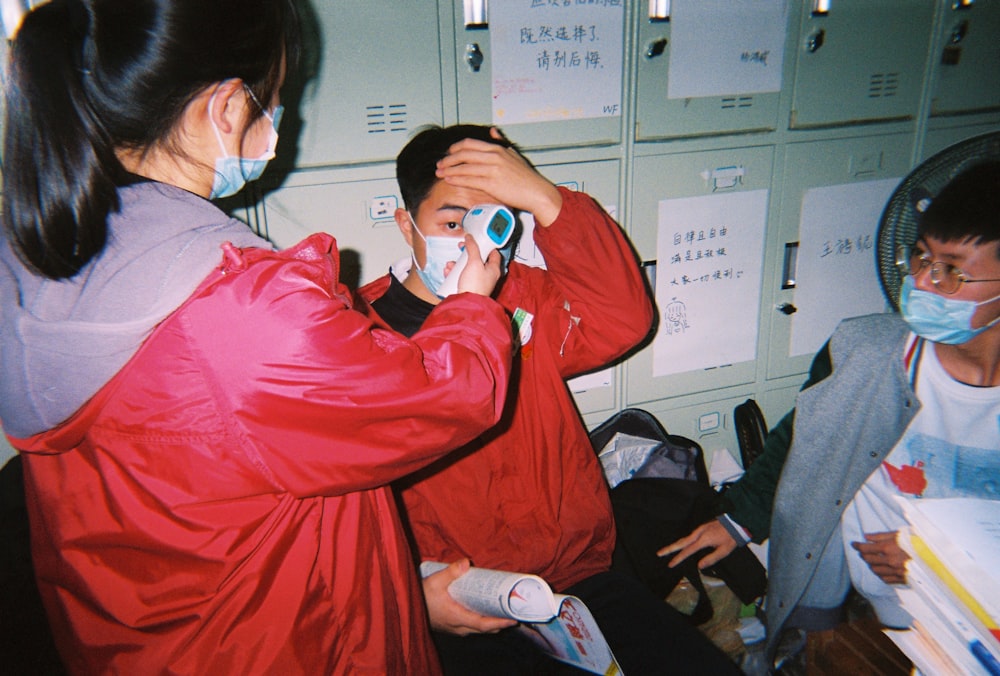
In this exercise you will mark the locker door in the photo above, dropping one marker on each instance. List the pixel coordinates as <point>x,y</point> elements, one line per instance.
<point>355,206</point>
<point>747,66</point>
<point>559,63</point>
<point>378,76</point>
<point>833,195</point>
<point>967,71</point>
<point>861,61</point>
<point>701,217</point>
<point>938,138</point>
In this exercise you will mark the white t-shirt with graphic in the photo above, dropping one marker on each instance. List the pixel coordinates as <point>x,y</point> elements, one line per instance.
<point>950,449</point>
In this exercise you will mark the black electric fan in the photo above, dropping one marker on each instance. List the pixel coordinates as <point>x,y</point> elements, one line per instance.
<point>898,225</point>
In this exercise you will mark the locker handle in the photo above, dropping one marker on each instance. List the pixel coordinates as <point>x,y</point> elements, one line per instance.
<point>477,13</point>
<point>787,308</point>
<point>659,10</point>
<point>789,265</point>
<point>474,56</point>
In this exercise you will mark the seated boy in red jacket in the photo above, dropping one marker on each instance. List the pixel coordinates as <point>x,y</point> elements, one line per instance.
<point>529,495</point>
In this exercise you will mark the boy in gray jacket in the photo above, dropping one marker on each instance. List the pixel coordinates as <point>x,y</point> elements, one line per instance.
<point>896,404</point>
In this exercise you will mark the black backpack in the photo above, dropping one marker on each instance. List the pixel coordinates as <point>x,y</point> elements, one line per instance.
<point>666,498</point>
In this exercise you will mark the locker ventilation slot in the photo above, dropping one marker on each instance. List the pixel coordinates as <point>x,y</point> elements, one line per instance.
<point>382,119</point>
<point>883,85</point>
<point>734,102</point>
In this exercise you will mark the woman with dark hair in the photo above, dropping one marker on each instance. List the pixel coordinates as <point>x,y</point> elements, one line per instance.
<point>207,425</point>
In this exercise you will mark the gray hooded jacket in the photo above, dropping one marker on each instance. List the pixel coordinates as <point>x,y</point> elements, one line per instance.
<point>61,341</point>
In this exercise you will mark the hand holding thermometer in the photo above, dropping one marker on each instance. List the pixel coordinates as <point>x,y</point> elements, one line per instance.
<point>492,226</point>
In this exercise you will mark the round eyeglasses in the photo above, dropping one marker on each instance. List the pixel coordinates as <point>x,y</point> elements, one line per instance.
<point>944,276</point>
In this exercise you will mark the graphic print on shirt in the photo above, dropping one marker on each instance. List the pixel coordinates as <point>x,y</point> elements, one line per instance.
<point>909,479</point>
<point>929,467</point>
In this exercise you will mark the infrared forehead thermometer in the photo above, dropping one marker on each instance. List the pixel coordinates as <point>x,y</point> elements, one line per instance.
<point>492,226</point>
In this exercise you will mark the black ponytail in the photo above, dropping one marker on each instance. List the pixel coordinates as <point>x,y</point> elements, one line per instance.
<point>60,169</point>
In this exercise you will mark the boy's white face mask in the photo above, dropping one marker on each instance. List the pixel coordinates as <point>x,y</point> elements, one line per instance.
<point>438,252</point>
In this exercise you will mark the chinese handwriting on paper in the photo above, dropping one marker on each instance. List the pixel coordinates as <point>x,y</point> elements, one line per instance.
<point>554,35</point>
<point>755,56</point>
<point>847,245</point>
<point>702,246</point>
<point>535,4</point>
<point>557,59</point>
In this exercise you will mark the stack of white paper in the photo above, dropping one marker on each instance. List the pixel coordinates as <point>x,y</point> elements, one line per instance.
<point>953,585</point>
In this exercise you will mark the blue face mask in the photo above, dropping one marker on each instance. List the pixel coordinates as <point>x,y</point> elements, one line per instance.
<point>438,251</point>
<point>232,172</point>
<point>938,318</point>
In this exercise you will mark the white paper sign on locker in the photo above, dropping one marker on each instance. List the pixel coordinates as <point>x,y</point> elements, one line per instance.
<point>837,274</point>
<point>726,47</point>
<point>556,60</point>
<point>710,253</point>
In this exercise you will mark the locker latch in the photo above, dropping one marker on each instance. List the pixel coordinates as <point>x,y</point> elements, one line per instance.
<point>815,41</point>
<point>655,48</point>
<point>473,56</point>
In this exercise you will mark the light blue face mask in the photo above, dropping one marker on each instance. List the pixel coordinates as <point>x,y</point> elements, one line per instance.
<point>438,251</point>
<point>232,172</point>
<point>938,318</point>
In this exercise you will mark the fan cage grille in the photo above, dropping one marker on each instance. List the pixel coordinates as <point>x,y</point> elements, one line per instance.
<point>898,225</point>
